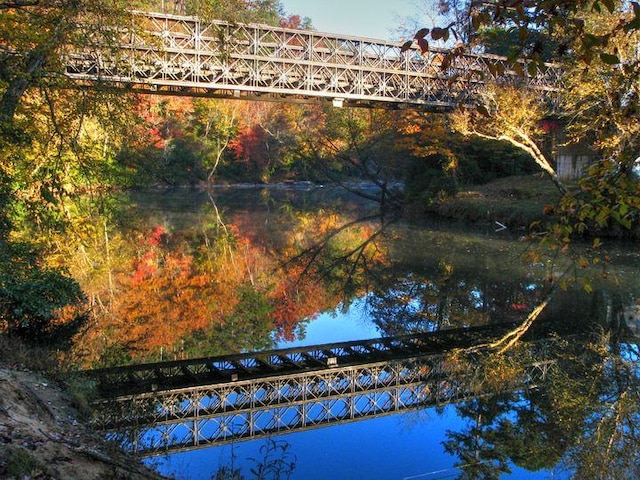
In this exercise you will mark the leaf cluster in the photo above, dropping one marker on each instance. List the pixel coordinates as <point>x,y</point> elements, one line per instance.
<point>33,297</point>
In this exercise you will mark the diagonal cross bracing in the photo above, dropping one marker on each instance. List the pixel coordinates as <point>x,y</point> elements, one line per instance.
<point>204,416</point>
<point>170,54</point>
<point>155,377</point>
<point>361,383</point>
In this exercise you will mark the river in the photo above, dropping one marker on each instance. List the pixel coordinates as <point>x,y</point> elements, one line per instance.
<point>194,274</point>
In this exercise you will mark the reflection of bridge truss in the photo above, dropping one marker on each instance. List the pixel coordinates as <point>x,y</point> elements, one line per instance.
<point>130,380</point>
<point>336,389</point>
<point>196,418</point>
<point>181,55</point>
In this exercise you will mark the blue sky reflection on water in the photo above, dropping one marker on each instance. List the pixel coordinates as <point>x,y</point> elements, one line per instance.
<point>337,326</point>
<point>406,446</point>
<point>392,447</point>
<point>403,447</point>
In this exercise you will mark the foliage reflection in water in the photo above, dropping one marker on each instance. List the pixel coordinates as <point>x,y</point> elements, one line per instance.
<point>224,278</point>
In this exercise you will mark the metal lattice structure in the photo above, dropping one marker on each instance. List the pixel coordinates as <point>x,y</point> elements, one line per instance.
<point>154,377</point>
<point>336,389</point>
<point>169,54</point>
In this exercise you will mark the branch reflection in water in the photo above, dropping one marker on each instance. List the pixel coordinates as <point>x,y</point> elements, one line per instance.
<point>427,279</point>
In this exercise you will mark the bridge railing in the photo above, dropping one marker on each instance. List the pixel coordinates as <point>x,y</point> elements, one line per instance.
<point>184,55</point>
<point>152,378</point>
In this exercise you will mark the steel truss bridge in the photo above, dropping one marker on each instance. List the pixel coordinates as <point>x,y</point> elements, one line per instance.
<point>183,405</point>
<point>169,54</point>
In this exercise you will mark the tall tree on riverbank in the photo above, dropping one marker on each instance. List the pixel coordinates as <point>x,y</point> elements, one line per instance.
<point>596,41</point>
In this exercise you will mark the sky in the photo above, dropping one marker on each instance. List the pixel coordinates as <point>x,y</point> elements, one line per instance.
<point>366,18</point>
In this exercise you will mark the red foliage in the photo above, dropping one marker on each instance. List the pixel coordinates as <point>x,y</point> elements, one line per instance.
<point>157,235</point>
<point>292,21</point>
<point>250,144</point>
<point>549,126</point>
<point>297,298</point>
<point>163,118</point>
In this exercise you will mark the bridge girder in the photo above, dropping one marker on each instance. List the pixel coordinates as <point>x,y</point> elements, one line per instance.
<point>221,414</point>
<point>225,399</point>
<point>178,55</point>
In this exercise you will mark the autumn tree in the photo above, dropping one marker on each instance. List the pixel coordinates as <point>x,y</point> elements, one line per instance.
<point>214,125</point>
<point>347,144</point>
<point>48,139</point>
<point>513,115</point>
<point>596,43</point>
<point>266,139</point>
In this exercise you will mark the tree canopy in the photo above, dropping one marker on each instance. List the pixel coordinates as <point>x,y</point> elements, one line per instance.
<point>595,43</point>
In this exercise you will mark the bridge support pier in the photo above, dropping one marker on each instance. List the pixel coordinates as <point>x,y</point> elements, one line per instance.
<point>572,158</point>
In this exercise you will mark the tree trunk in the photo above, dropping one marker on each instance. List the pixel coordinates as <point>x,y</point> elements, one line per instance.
<point>18,85</point>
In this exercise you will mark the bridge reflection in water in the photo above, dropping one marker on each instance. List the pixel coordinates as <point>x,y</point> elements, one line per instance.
<point>183,405</point>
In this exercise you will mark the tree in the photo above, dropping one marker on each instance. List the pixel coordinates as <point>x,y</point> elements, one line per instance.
<point>214,125</point>
<point>596,43</point>
<point>510,114</point>
<point>262,11</point>
<point>479,451</point>
<point>36,34</point>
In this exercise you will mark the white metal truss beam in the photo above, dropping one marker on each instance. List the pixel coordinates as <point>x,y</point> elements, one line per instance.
<point>168,54</point>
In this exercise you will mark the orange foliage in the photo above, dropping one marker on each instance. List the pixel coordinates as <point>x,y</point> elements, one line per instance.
<point>424,136</point>
<point>163,307</point>
<point>297,298</point>
<point>172,289</point>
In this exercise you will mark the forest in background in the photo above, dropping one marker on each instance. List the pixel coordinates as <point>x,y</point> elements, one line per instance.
<point>65,151</point>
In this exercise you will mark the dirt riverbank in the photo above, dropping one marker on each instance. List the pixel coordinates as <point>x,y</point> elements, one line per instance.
<point>42,438</point>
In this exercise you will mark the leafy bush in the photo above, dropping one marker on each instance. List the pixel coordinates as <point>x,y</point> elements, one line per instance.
<point>39,304</point>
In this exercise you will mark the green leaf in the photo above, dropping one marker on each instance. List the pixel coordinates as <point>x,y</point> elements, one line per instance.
<point>590,40</point>
<point>632,25</point>
<point>624,209</point>
<point>609,59</point>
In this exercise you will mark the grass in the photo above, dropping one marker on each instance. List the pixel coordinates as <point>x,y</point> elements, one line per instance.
<point>513,201</point>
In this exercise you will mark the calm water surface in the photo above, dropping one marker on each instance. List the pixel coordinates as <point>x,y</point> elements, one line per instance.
<point>305,280</point>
